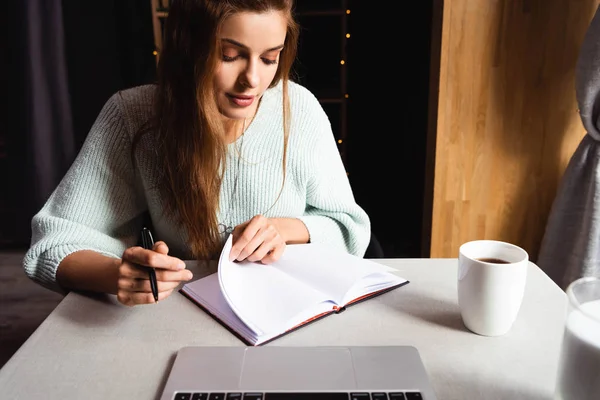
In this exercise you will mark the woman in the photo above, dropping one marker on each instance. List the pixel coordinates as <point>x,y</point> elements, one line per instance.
<point>223,143</point>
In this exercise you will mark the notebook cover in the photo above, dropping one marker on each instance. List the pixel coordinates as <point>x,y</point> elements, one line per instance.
<point>301,325</point>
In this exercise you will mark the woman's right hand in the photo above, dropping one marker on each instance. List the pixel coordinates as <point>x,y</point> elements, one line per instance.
<point>133,286</point>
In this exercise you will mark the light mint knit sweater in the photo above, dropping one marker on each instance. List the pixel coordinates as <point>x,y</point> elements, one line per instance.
<point>100,202</point>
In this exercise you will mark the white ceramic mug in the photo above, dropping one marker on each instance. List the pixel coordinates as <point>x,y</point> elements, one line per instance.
<point>491,284</point>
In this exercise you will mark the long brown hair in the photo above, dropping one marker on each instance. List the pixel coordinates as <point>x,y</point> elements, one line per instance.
<point>187,124</point>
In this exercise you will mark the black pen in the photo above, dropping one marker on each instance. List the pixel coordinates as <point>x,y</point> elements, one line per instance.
<point>148,244</point>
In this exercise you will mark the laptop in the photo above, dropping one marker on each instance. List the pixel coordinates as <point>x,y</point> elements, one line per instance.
<point>298,373</point>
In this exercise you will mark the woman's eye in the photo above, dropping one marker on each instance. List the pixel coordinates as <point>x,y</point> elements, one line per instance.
<point>231,58</point>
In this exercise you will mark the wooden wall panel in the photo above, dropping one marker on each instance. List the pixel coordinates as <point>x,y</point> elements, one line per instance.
<point>507,121</point>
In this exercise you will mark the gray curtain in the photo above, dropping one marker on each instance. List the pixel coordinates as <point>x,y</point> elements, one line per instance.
<point>570,247</point>
<point>61,60</point>
<point>37,127</point>
<point>52,142</point>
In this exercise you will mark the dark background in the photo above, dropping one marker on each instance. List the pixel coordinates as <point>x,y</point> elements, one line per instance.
<point>108,46</point>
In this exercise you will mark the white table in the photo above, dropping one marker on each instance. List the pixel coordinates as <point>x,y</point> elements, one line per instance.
<point>91,347</point>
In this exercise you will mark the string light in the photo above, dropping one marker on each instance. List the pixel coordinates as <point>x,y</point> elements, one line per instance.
<point>155,52</point>
<point>342,62</point>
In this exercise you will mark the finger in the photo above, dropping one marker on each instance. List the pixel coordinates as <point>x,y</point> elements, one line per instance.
<point>138,255</point>
<point>135,298</point>
<point>165,286</point>
<point>265,236</point>
<point>241,240</point>
<point>264,241</point>
<point>250,248</point>
<point>128,270</point>
<point>173,276</point>
<point>161,247</point>
<point>143,285</point>
<point>273,255</point>
<point>134,271</point>
<point>261,251</point>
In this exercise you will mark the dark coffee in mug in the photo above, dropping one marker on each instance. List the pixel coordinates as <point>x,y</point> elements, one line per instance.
<point>493,260</point>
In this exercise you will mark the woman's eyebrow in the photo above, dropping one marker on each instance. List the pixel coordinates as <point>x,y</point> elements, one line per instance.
<point>243,46</point>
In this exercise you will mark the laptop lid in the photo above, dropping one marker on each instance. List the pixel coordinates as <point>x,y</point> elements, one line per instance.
<point>298,373</point>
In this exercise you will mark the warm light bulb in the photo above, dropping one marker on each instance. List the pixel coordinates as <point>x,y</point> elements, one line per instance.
<point>340,141</point>
<point>347,36</point>
<point>342,62</point>
<point>346,95</point>
<point>347,11</point>
<point>155,52</point>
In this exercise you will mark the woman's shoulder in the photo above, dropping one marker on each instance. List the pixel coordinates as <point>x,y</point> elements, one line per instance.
<point>137,98</point>
<point>135,104</point>
<point>302,100</point>
<point>306,107</point>
<point>301,95</point>
<point>296,92</point>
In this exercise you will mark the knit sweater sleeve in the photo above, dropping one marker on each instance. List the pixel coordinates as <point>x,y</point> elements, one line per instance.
<point>332,215</point>
<point>96,206</point>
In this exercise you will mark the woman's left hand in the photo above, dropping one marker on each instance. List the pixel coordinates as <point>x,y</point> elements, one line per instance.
<point>258,239</point>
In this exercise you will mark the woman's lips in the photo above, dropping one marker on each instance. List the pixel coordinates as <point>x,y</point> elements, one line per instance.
<point>241,101</point>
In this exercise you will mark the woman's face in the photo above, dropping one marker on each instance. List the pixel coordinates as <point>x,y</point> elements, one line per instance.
<point>251,44</point>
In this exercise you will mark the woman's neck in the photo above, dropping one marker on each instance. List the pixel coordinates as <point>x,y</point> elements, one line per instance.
<point>234,128</point>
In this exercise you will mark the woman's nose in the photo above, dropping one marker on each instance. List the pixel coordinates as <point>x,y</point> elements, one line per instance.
<point>250,77</point>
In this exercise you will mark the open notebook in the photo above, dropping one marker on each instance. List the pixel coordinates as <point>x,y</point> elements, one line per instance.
<point>260,302</point>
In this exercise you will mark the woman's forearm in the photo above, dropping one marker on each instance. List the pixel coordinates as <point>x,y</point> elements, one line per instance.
<point>89,271</point>
<point>292,230</point>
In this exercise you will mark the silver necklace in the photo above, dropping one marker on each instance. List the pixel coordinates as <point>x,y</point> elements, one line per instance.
<point>227,229</point>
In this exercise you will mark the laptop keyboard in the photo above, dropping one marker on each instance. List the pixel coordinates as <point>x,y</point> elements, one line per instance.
<point>301,396</point>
